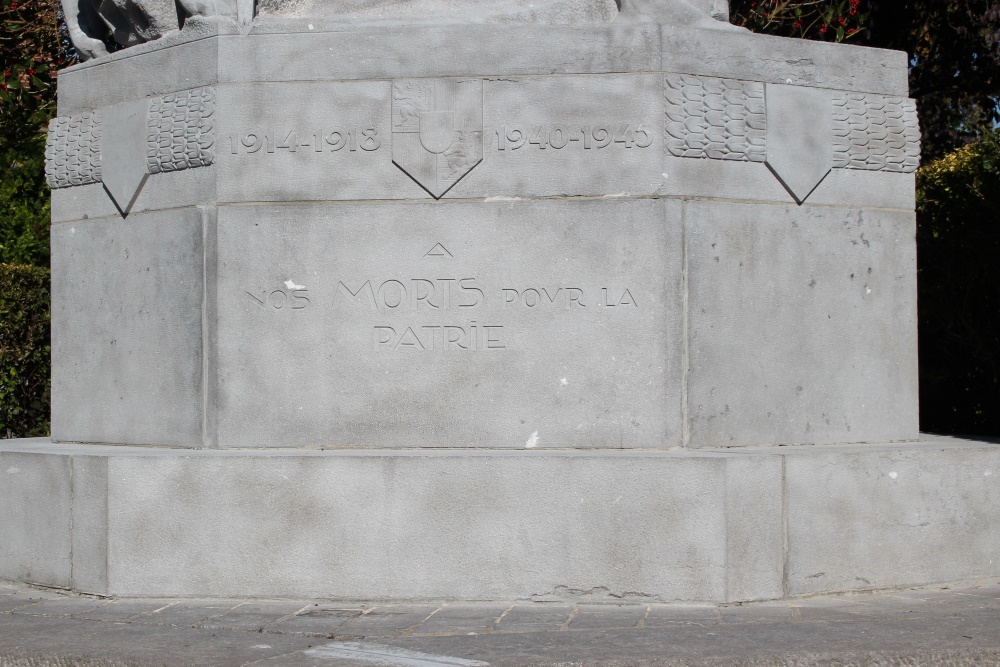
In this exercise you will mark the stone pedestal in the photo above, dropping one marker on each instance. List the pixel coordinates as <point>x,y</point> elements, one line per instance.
<point>711,525</point>
<point>472,311</point>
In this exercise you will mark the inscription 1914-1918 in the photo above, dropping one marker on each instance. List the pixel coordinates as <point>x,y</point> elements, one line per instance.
<point>320,141</point>
<point>427,295</point>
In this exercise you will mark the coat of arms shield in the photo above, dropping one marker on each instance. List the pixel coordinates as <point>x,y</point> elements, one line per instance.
<point>437,131</point>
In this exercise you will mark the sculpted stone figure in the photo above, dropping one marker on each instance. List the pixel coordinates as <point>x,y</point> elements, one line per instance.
<point>93,24</point>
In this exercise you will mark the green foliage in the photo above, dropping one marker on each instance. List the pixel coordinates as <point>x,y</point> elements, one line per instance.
<point>24,203</point>
<point>830,20</point>
<point>958,240</point>
<point>24,351</point>
<point>32,48</point>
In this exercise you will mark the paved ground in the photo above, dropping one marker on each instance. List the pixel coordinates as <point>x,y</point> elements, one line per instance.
<point>958,625</point>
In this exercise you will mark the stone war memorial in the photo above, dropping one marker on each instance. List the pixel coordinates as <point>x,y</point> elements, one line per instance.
<point>492,299</point>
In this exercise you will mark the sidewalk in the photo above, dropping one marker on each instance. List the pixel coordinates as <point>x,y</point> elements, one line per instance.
<point>958,625</point>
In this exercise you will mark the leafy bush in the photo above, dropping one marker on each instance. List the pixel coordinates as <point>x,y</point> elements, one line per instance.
<point>24,203</point>
<point>958,243</point>
<point>24,351</point>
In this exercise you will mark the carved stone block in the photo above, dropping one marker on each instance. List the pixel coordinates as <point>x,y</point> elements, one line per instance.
<point>380,251</point>
<point>540,298</point>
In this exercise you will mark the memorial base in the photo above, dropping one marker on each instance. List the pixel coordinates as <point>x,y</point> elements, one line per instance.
<point>711,525</point>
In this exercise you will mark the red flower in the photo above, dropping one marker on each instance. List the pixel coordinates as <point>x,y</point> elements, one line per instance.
<point>822,29</point>
<point>841,20</point>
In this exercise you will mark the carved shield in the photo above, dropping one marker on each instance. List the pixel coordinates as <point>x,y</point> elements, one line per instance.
<point>799,137</point>
<point>437,131</point>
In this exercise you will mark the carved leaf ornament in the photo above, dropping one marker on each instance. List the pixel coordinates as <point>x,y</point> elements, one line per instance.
<point>177,132</point>
<point>726,119</point>
<point>438,134</point>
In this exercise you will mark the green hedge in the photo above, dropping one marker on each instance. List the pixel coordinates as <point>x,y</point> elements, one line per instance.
<point>24,351</point>
<point>958,250</point>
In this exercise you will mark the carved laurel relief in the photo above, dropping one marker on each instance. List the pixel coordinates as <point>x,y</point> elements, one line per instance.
<point>724,119</point>
<point>181,131</point>
<point>714,118</point>
<point>73,150</point>
<point>181,135</point>
<point>875,132</point>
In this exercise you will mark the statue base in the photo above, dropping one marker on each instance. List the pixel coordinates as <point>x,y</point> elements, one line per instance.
<point>469,311</point>
<point>713,525</point>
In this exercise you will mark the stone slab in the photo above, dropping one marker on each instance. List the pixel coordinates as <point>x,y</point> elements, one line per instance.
<point>414,525</point>
<point>138,74</point>
<point>127,301</point>
<point>798,62</point>
<point>576,308</point>
<point>576,136</point>
<point>879,519</point>
<point>300,142</point>
<point>441,527</point>
<point>476,524</point>
<point>178,189</point>
<point>752,181</point>
<point>401,52</point>
<point>570,136</point>
<point>755,542</point>
<point>36,518</point>
<point>802,324</point>
<point>298,50</point>
<point>90,523</point>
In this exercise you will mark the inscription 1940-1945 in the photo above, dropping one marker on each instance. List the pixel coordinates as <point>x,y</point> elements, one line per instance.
<point>437,295</point>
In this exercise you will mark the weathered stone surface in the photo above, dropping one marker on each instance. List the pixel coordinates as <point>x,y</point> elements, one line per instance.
<point>127,329</point>
<point>293,52</point>
<point>399,332</point>
<point>877,518</point>
<point>90,523</point>
<point>799,135</point>
<point>770,59</point>
<point>123,153</point>
<point>137,73</point>
<point>35,494</point>
<point>587,136</point>
<point>530,246</point>
<point>730,179</point>
<point>179,189</point>
<point>801,324</point>
<point>755,543</point>
<point>321,141</point>
<point>649,526</point>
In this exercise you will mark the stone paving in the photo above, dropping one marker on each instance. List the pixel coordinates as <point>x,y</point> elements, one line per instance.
<point>953,625</point>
